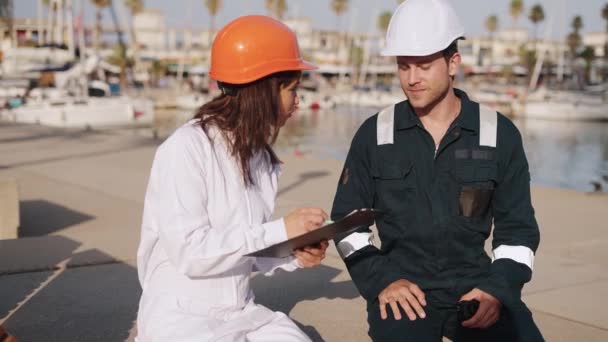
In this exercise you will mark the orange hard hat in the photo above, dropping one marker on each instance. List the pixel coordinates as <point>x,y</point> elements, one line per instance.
<point>254,46</point>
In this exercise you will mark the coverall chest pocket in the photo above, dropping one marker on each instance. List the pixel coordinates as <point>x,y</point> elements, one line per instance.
<point>396,190</point>
<point>475,184</point>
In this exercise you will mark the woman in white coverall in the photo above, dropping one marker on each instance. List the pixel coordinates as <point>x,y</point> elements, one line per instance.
<point>211,194</point>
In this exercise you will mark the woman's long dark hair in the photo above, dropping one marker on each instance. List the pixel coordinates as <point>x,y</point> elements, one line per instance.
<point>248,117</point>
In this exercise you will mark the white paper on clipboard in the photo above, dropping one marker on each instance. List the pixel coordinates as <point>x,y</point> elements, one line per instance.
<point>354,220</point>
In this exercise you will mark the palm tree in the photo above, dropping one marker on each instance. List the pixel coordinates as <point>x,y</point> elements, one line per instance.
<point>158,70</point>
<point>52,13</point>
<point>213,6</point>
<point>516,8</point>
<point>577,23</point>
<point>339,7</point>
<point>135,7</point>
<point>382,23</point>
<point>492,24</point>
<point>588,55</point>
<point>99,6</point>
<point>6,15</point>
<point>383,20</point>
<point>605,17</point>
<point>277,8</point>
<point>537,14</point>
<point>527,58</point>
<point>574,42</point>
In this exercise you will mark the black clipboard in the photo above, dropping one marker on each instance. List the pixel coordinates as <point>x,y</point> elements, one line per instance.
<point>354,220</point>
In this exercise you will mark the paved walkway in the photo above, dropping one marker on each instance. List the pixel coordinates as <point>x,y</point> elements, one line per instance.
<point>71,275</point>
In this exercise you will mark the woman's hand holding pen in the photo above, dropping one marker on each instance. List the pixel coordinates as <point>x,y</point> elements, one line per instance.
<point>303,220</point>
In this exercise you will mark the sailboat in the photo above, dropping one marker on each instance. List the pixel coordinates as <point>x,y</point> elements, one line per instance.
<point>563,105</point>
<point>68,104</point>
<point>546,104</point>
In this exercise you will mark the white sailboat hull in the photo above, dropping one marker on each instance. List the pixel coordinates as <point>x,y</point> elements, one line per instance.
<point>563,110</point>
<point>94,113</point>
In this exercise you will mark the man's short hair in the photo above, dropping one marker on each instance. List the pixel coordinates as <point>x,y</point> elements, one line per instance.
<point>450,50</point>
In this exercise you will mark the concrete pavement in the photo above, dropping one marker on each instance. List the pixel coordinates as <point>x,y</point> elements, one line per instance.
<point>71,274</point>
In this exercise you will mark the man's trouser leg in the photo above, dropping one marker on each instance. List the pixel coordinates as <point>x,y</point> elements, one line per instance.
<point>428,329</point>
<point>502,331</point>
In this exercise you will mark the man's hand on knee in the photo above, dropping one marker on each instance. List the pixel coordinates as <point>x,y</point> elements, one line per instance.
<point>405,294</point>
<point>488,312</point>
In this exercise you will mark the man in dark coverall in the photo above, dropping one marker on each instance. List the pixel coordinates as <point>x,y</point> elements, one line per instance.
<point>442,168</point>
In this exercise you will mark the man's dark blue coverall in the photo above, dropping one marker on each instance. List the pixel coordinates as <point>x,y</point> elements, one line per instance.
<point>439,206</point>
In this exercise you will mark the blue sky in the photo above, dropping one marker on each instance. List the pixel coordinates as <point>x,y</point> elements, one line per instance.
<point>360,13</point>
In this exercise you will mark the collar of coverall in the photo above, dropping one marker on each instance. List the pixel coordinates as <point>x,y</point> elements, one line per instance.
<point>468,118</point>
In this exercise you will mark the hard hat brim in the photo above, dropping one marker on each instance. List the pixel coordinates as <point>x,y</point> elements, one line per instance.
<point>254,73</point>
<point>304,65</point>
<point>416,52</point>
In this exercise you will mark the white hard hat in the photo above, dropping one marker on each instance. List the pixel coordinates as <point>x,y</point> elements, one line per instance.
<point>421,28</point>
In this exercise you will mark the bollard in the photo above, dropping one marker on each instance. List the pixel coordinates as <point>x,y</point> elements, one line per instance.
<point>9,209</point>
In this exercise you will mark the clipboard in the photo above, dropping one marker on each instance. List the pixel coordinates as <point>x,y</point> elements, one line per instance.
<point>356,219</point>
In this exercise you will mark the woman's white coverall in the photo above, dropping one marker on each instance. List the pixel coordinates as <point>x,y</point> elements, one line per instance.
<point>199,220</point>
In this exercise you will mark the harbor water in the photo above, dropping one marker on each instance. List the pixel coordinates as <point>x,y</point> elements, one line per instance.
<point>561,154</point>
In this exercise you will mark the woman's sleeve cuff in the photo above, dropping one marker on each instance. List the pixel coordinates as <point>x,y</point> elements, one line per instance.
<point>274,232</point>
